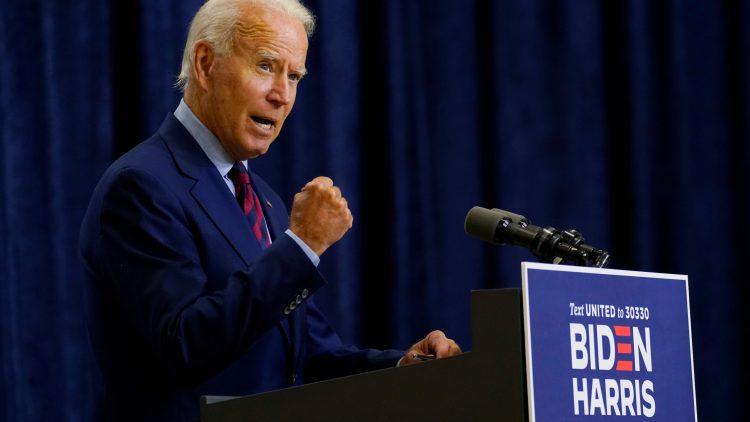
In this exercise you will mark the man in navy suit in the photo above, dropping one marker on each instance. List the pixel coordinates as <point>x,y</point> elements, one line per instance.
<point>187,296</point>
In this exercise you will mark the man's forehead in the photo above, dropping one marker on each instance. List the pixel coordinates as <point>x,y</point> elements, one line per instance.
<point>260,26</point>
<point>271,36</point>
<point>265,21</point>
<point>253,23</point>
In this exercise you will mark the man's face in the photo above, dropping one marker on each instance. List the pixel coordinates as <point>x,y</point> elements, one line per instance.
<point>250,91</point>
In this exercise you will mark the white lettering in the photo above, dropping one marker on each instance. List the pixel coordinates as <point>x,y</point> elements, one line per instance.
<point>592,350</point>
<point>578,357</point>
<point>580,396</point>
<point>597,401</point>
<point>602,332</point>
<point>638,397</point>
<point>621,397</point>
<point>626,397</point>
<point>647,389</point>
<point>642,350</point>
<point>612,395</point>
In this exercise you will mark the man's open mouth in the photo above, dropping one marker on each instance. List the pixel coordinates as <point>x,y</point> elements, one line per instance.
<point>263,122</point>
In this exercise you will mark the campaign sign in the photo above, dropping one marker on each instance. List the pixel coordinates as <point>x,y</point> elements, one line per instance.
<point>606,345</point>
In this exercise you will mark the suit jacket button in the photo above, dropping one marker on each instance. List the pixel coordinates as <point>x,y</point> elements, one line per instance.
<point>304,293</point>
<point>287,311</point>
<point>293,305</point>
<point>298,300</point>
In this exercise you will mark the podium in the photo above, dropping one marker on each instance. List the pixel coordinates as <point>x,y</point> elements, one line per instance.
<point>486,383</point>
<point>572,343</point>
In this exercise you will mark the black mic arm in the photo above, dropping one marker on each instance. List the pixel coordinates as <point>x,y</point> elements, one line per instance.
<point>548,244</point>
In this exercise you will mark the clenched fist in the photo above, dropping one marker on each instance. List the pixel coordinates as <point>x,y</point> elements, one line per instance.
<point>320,215</point>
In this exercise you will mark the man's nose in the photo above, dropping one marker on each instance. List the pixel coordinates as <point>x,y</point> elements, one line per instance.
<point>281,90</point>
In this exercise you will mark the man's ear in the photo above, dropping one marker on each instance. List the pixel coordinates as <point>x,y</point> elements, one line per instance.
<point>203,62</point>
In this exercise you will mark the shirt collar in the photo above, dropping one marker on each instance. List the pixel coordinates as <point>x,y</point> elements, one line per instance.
<point>208,142</point>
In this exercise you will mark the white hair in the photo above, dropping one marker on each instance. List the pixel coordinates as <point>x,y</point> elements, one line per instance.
<point>216,21</point>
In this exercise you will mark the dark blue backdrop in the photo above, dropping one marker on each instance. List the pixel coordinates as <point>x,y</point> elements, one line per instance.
<point>624,119</point>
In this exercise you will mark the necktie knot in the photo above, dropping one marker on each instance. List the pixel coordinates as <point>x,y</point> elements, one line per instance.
<point>239,175</point>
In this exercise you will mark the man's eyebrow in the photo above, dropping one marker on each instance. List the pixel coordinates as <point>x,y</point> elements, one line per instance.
<point>268,55</point>
<point>273,57</point>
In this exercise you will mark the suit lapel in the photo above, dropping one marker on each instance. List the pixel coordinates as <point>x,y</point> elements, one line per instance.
<point>211,193</point>
<point>222,208</point>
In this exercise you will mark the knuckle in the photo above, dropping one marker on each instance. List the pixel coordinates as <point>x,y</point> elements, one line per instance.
<point>325,181</point>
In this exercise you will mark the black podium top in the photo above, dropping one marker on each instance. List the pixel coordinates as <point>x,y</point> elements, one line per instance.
<point>484,384</point>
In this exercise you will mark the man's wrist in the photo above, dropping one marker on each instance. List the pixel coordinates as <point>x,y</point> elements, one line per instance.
<point>314,258</point>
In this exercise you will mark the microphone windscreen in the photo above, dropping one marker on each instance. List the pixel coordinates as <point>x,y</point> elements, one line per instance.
<point>482,223</point>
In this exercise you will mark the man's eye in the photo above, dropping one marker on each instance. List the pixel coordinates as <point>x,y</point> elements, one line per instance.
<point>265,66</point>
<point>295,77</point>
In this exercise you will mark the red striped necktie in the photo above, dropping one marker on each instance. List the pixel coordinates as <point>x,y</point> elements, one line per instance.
<point>249,203</point>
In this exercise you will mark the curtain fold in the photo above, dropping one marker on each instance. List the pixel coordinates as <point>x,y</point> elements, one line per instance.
<point>56,139</point>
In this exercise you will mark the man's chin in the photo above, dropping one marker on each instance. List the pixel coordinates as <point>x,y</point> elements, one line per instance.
<point>258,148</point>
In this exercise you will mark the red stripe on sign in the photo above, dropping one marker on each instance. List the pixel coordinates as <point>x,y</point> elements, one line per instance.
<point>624,348</point>
<point>624,365</point>
<point>622,331</point>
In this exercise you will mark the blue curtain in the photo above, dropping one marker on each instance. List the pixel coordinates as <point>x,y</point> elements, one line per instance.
<point>626,120</point>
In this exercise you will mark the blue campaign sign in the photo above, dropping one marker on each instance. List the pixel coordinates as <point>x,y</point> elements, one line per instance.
<point>607,345</point>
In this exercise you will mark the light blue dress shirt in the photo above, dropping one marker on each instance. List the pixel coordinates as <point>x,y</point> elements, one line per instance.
<point>224,162</point>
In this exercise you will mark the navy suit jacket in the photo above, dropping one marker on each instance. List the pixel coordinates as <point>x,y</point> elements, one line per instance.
<point>182,300</point>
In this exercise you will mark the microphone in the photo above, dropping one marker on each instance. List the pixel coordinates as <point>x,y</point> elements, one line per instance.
<point>502,227</point>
